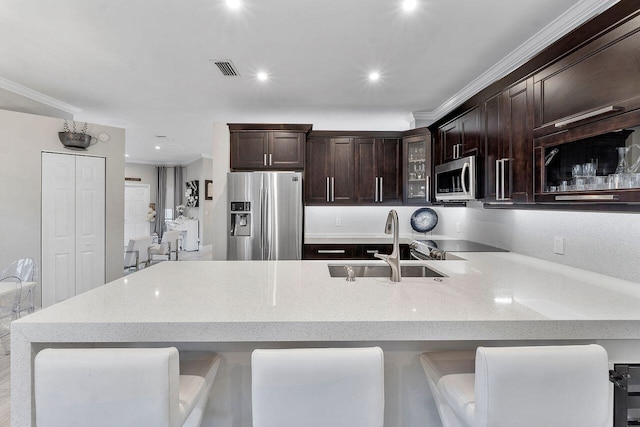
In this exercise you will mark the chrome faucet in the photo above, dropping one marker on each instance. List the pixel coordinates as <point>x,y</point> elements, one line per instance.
<point>394,258</point>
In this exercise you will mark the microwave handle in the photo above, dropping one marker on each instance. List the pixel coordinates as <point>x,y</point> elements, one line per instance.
<point>465,169</point>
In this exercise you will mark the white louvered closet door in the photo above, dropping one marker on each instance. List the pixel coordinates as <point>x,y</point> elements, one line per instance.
<point>73,225</point>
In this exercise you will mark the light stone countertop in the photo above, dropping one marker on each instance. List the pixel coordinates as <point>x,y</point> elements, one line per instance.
<point>487,296</point>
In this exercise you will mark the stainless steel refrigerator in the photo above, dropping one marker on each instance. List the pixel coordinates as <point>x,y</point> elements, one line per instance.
<point>264,220</point>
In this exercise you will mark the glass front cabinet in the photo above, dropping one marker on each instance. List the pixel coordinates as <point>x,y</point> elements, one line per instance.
<point>583,166</point>
<point>417,169</point>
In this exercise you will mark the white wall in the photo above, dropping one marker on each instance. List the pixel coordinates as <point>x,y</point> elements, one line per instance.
<point>193,172</point>
<point>220,164</point>
<point>602,242</point>
<point>15,102</point>
<point>207,205</point>
<point>23,137</point>
<point>148,174</point>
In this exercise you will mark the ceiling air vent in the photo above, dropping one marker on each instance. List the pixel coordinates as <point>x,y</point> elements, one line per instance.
<point>226,67</point>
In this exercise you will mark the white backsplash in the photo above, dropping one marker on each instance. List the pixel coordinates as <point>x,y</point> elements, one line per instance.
<point>602,242</point>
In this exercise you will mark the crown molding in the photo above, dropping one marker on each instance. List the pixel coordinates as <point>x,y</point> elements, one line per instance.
<point>577,15</point>
<point>37,96</point>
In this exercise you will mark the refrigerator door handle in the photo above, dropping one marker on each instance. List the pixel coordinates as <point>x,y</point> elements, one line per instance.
<point>262,222</point>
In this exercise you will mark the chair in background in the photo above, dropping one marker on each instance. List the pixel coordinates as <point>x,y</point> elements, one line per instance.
<point>168,244</point>
<point>338,387</point>
<point>137,252</point>
<point>26,270</point>
<point>10,292</point>
<point>106,387</point>
<point>521,386</point>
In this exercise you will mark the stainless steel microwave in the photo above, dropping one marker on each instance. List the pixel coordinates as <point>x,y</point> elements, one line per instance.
<point>456,180</point>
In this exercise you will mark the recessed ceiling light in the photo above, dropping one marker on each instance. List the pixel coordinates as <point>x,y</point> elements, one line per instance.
<point>157,147</point>
<point>374,76</point>
<point>262,76</point>
<point>126,155</point>
<point>409,5</point>
<point>234,4</point>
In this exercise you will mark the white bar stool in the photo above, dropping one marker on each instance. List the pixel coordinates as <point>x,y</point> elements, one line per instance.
<point>520,386</point>
<point>337,387</point>
<point>106,387</point>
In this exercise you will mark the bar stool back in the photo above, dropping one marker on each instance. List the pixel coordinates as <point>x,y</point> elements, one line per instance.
<point>522,386</point>
<point>338,387</point>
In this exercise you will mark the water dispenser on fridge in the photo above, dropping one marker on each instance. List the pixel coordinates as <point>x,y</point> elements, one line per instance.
<point>240,219</point>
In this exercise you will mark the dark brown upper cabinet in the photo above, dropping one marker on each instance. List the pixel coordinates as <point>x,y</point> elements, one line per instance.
<point>417,184</point>
<point>329,171</point>
<point>596,81</point>
<point>508,136</point>
<point>267,147</point>
<point>460,137</point>
<point>377,171</point>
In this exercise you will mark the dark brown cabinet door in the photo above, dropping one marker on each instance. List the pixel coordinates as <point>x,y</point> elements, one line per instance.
<point>342,174</point>
<point>601,77</point>
<point>518,142</point>
<point>286,150</point>
<point>508,134</point>
<point>377,171</point>
<point>471,134</point>
<point>248,150</point>
<point>493,133</point>
<point>267,150</point>
<point>450,137</point>
<point>389,171</point>
<point>329,171</point>
<point>366,170</point>
<point>317,170</point>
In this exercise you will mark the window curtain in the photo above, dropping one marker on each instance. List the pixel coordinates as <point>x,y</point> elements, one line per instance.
<point>161,200</point>
<point>178,186</point>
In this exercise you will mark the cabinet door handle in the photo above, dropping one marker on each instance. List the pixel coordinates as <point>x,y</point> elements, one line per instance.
<point>264,159</point>
<point>333,189</point>
<point>503,178</point>
<point>588,115</point>
<point>454,151</point>
<point>331,251</point>
<point>375,195</point>
<point>427,190</point>
<point>270,159</point>
<point>327,191</point>
<point>498,163</point>
<point>372,251</point>
<point>380,191</point>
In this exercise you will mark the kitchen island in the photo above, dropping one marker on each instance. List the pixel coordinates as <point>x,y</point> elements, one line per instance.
<point>234,307</point>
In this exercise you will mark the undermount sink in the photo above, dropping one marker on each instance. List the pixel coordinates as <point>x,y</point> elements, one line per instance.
<point>382,271</point>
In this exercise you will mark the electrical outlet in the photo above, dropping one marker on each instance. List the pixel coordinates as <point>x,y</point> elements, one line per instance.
<point>338,222</point>
<point>558,245</point>
<point>458,227</point>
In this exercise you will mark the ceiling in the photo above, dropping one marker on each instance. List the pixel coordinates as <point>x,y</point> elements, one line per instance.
<point>146,65</point>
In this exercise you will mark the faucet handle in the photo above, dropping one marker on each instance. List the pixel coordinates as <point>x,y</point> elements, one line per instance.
<point>381,256</point>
